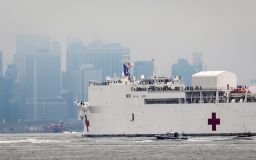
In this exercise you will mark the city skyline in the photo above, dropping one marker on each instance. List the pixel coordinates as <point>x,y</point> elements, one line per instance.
<point>35,88</point>
<point>57,49</point>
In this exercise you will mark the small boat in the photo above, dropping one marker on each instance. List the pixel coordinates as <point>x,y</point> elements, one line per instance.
<point>245,136</point>
<point>172,136</point>
<point>55,128</point>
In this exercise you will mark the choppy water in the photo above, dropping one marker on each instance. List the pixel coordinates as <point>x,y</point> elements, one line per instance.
<point>73,146</point>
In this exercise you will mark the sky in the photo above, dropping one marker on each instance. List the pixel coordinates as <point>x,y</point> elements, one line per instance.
<point>166,30</point>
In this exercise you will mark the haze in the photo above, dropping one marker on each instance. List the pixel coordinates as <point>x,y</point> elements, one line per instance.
<point>166,30</point>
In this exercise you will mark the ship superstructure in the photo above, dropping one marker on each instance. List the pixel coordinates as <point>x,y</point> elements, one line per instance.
<point>213,105</point>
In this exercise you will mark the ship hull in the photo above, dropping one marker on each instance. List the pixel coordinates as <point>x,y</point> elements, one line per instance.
<point>189,119</point>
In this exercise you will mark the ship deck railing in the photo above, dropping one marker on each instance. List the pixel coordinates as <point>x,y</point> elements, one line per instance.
<point>156,89</point>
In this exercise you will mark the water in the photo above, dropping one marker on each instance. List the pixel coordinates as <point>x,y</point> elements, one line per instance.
<point>73,146</point>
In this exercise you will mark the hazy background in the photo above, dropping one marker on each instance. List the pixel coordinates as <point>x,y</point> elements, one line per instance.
<point>224,30</point>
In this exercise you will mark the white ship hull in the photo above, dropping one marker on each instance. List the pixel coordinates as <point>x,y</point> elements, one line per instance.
<point>118,115</point>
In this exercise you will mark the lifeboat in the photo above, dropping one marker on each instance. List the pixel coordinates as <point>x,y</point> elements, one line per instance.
<point>241,90</point>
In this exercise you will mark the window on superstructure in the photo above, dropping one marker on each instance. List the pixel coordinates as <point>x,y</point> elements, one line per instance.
<point>128,95</point>
<point>164,101</point>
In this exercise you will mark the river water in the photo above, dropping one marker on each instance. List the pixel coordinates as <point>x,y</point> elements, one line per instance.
<point>67,146</point>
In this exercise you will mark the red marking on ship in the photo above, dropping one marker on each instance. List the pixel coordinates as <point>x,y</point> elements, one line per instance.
<point>129,65</point>
<point>87,122</point>
<point>214,121</point>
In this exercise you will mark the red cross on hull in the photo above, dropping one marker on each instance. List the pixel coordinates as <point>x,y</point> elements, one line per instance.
<point>214,121</point>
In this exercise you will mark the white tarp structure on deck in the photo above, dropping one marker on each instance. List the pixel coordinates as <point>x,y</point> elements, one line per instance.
<point>220,80</point>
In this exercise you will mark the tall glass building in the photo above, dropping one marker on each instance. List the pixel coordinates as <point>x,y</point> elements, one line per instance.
<point>28,45</point>
<point>184,69</point>
<point>198,61</point>
<point>107,57</point>
<point>1,64</point>
<point>82,78</point>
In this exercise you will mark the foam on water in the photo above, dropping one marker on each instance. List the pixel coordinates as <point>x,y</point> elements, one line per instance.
<point>144,141</point>
<point>32,140</point>
<point>208,139</point>
<point>70,146</point>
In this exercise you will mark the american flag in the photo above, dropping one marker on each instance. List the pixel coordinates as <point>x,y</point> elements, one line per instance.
<point>129,65</point>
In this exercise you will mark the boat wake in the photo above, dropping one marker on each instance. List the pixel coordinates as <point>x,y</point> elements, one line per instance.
<point>144,141</point>
<point>209,139</point>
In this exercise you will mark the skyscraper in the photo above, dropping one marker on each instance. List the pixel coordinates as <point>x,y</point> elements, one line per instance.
<point>15,105</point>
<point>81,80</point>
<point>75,51</point>
<point>107,57</point>
<point>1,64</point>
<point>184,69</point>
<point>143,68</point>
<point>48,67</point>
<point>8,110</point>
<point>28,45</point>
<point>43,74</point>
<point>42,85</point>
<point>2,100</point>
<point>198,61</point>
